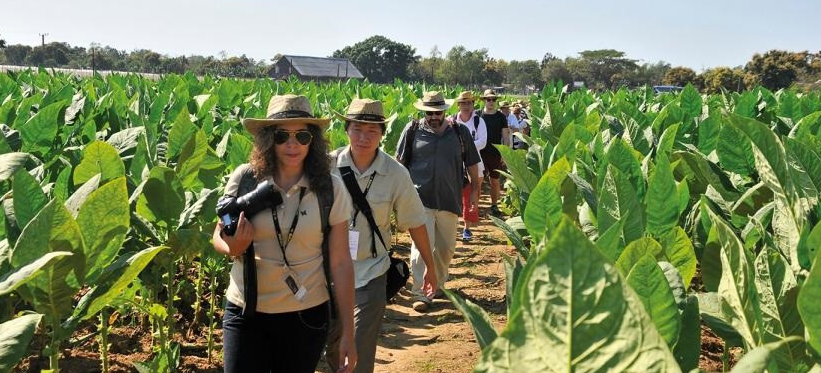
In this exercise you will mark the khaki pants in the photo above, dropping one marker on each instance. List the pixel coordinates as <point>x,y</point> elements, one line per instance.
<point>441,227</point>
<point>369,311</point>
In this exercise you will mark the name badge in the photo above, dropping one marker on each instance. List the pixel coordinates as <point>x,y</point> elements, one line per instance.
<point>353,243</point>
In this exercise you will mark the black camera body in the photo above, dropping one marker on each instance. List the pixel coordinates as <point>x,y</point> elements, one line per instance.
<point>261,198</point>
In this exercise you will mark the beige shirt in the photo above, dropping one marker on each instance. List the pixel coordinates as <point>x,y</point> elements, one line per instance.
<point>391,191</point>
<point>304,252</point>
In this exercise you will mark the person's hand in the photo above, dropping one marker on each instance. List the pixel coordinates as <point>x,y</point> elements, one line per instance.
<point>430,285</point>
<point>242,238</point>
<point>474,199</point>
<point>347,353</point>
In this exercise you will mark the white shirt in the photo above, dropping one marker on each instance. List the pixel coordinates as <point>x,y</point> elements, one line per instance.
<point>479,135</point>
<point>513,122</point>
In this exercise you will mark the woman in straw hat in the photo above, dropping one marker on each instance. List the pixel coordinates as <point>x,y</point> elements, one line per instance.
<point>387,190</point>
<point>286,330</point>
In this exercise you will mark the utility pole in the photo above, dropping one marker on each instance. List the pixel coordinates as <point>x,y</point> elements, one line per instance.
<point>43,39</point>
<point>93,66</point>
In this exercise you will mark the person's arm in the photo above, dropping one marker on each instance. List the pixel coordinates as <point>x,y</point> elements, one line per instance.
<point>342,274</point>
<point>481,135</point>
<point>473,173</point>
<point>235,245</point>
<point>506,137</point>
<point>419,235</point>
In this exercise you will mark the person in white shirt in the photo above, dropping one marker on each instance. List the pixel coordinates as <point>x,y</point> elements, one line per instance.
<point>478,131</point>
<point>513,123</point>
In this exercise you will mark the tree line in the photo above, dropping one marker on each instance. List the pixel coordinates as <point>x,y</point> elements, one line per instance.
<point>383,60</point>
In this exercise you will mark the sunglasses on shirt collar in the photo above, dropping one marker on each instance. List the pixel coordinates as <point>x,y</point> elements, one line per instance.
<point>303,137</point>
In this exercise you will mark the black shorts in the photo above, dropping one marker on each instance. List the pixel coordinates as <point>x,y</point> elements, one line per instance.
<point>493,163</point>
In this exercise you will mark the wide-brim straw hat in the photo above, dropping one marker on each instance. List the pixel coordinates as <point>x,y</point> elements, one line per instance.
<point>285,109</point>
<point>465,96</point>
<point>504,104</point>
<point>364,110</point>
<point>489,93</point>
<point>433,101</point>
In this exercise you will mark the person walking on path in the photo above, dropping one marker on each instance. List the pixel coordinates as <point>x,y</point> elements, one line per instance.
<point>478,131</point>
<point>436,153</point>
<point>379,187</point>
<point>497,134</point>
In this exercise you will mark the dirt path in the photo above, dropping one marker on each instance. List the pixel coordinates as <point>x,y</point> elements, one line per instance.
<point>440,340</point>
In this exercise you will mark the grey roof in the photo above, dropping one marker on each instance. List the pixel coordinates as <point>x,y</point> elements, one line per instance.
<point>323,67</point>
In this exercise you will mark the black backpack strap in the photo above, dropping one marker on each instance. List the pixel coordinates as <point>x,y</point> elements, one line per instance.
<point>476,122</point>
<point>409,137</point>
<point>248,183</point>
<point>326,202</point>
<point>361,203</point>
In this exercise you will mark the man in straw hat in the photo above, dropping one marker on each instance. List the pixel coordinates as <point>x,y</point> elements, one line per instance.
<point>386,187</point>
<point>478,131</point>
<point>512,122</point>
<point>436,154</point>
<point>278,299</point>
<point>497,133</point>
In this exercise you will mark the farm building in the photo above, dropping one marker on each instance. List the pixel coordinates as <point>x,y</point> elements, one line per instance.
<point>314,68</point>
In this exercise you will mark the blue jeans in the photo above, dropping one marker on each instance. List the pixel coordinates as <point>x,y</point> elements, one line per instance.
<point>290,342</point>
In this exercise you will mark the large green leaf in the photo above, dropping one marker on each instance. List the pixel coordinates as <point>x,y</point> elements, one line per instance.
<point>113,280</point>
<point>13,280</point>
<point>662,198</point>
<point>476,317</point>
<point>39,132</point>
<point>617,201</point>
<point>515,238</point>
<point>760,359</point>
<point>688,347</point>
<point>104,221</point>
<point>521,175</point>
<point>701,173</point>
<point>544,207</point>
<point>181,131</point>
<point>735,152</point>
<point>647,279</point>
<point>635,251</point>
<point>190,160</point>
<point>28,197</point>
<point>810,307</point>
<point>576,315</point>
<point>240,149</point>
<point>690,102</point>
<point>101,158</point>
<point>626,160</point>
<point>162,199</point>
<point>15,336</point>
<point>53,229</point>
<point>678,249</point>
<point>11,162</point>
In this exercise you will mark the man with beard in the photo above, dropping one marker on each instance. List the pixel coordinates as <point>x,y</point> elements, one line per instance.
<point>436,153</point>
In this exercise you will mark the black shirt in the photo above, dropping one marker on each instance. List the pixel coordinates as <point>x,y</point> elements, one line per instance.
<point>495,123</point>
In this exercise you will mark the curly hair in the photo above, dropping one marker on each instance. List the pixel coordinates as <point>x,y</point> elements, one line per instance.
<point>264,159</point>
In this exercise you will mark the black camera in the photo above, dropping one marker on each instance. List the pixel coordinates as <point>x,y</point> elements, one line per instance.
<point>261,198</point>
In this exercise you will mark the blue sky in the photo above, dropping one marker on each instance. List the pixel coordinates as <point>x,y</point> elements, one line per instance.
<point>696,33</point>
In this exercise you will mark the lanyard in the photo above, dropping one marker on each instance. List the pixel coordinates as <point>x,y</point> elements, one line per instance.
<point>364,193</point>
<point>284,241</point>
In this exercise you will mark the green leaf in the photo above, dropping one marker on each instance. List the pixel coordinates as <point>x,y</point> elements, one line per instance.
<point>104,222</point>
<point>635,251</point>
<point>735,152</point>
<point>662,209</point>
<point>667,140</point>
<point>101,158</point>
<point>700,173</point>
<point>181,131</point>
<point>13,280</point>
<point>758,360</point>
<point>476,317</point>
<point>688,348</point>
<point>28,197</point>
<point>690,102</point>
<point>679,251</point>
<point>11,162</point>
<point>113,280</point>
<point>626,160</point>
<point>611,243</point>
<point>544,206</point>
<point>675,282</point>
<point>513,271</point>
<point>80,195</point>
<point>515,238</point>
<point>650,284</point>
<point>240,149</point>
<point>809,307</point>
<point>190,160</point>
<point>515,162</point>
<point>808,247</point>
<point>714,318</point>
<point>162,199</point>
<point>39,132</point>
<point>52,230</point>
<point>15,336</point>
<point>617,201</point>
<point>569,294</point>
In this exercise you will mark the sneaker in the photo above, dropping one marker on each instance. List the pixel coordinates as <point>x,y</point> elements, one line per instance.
<point>420,306</point>
<point>466,235</point>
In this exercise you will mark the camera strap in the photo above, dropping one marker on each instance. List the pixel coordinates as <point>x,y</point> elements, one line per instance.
<point>284,241</point>
<point>361,204</point>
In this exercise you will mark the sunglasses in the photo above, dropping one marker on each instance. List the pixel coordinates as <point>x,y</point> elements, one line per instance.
<point>490,100</point>
<point>431,113</point>
<point>303,137</point>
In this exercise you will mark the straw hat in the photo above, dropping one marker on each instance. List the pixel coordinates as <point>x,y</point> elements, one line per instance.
<point>433,101</point>
<point>504,104</point>
<point>285,109</point>
<point>465,96</point>
<point>489,93</point>
<point>364,110</point>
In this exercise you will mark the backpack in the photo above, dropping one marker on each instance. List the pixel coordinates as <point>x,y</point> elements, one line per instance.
<point>248,182</point>
<point>411,134</point>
